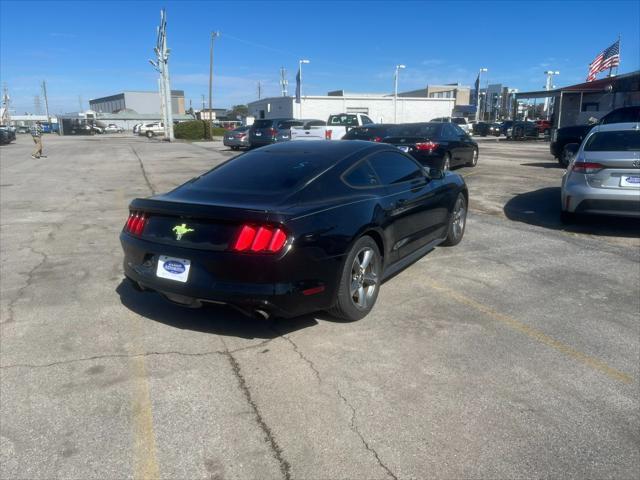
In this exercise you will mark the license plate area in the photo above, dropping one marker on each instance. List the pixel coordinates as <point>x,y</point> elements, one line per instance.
<point>630,181</point>
<point>172,268</point>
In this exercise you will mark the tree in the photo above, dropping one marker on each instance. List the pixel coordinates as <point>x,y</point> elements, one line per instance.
<point>239,111</point>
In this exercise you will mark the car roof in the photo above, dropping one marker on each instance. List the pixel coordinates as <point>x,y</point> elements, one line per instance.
<point>612,127</point>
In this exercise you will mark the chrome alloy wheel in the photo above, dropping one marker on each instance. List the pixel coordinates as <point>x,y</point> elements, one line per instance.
<point>459,217</point>
<point>364,278</point>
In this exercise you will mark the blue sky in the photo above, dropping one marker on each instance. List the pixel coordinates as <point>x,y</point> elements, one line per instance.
<point>93,49</point>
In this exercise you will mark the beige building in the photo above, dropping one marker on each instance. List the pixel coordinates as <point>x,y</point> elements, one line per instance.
<point>460,93</point>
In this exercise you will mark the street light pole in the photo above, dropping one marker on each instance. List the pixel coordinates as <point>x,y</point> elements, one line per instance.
<point>300,62</point>
<point>478,92</point>
<point>395,93</point>
<point>214,35</point>
<point>549,86</point>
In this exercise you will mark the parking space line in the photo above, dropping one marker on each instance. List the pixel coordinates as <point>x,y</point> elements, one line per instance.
<point>535,334</point>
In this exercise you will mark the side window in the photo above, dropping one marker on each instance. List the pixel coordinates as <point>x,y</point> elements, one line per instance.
<point>362,175</point>
<point>622,116</point>
<point>366,120</point>
<point>458,131</point>
<point>394,168</point>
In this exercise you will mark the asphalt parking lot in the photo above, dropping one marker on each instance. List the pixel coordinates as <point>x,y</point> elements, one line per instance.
<point>515,354</point>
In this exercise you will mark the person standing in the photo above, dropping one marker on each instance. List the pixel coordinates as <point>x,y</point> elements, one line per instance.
<point>36,134</point>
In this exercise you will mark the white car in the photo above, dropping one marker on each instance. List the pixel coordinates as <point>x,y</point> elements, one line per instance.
<point>151,129</point>
<point>335,128</point>
<point>113,128</point>
<point>460,121</point>
<point>603,177</point>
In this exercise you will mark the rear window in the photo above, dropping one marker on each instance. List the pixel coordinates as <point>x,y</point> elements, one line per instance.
<point>425,130</point>
<point>263,123</point>
<point>345,120</point>
<point>263,171</point>
<point>459,121</point>
<point>290,123</point>
<point>315,123</point>
<point>241,129</point>
<point>623,115</point>
<point>366,133</point>
<point>620,141</point>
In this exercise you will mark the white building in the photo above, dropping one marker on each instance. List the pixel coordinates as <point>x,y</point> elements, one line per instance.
<point>380,108</point>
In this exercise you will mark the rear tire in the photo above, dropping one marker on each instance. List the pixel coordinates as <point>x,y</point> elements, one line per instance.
<point>360,281</point>
<point>446,162</point>
<point>457,222</point>
<point>149,134</point>
<point>564,159</point>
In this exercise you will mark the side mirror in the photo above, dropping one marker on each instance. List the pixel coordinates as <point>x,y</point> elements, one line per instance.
<point>434,173</point>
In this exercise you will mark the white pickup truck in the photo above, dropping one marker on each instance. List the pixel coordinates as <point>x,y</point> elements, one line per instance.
<point>336,128</point>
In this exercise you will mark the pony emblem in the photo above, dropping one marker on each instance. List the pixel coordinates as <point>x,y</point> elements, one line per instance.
<point>181,230</point>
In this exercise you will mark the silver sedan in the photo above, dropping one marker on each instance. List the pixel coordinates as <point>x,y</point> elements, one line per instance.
<point>237,138</point>
<point>604,175</point>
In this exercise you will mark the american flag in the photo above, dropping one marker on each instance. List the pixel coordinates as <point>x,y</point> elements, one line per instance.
<point>609,58</point>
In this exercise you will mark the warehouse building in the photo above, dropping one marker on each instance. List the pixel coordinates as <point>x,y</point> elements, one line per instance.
<point>138,102</point>
<point>380,108</point>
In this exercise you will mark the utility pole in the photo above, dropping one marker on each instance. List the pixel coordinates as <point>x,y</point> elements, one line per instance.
<point>214,35</point>
<point>46,101</point>
<point>284,83</point>
<point>162,66</point>
<point>300,62</point>
<point>259,90</point>
<point>549,86</point>
<point>6,101</point>
<point>478,92</point>
<point>202,106</point>
<point>395,93</point>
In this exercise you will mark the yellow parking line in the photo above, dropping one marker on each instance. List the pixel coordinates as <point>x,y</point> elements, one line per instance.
<point>535,334</point>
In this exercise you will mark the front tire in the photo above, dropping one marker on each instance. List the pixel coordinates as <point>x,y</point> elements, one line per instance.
<point>149,134</point>
<point>457,222</point>
<point>474,159</point>
<point>360,281</point>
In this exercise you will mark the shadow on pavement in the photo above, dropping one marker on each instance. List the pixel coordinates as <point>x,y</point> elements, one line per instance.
<point>543,165</point>
<point>542,208</point>
<point>215,319</point>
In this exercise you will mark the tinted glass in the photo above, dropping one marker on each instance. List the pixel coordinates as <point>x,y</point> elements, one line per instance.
<point>290,123</point>
<point>366,120</point>
<point>459,121</point>
<point>262,171</point>
<point>241,129</point>
<point>458,130</point>
<point>415,130</point>
<point>362,175</point>
<point>623,116</point>
<point>394,168</point>
<point>315,123</point>
<point>449,132</point>
<point>344,120</point>
<point>621,141</point>
<point>366,133</point>
<point>263,123</point>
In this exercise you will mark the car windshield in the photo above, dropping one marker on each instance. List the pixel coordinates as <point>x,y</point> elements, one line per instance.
<point>617,141</point>
<point>263,171</point>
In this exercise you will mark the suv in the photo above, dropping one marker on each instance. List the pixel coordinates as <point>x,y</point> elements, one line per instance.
<point>460,121</point>
<point>151,129</point>
<point>576,133</point>
<point>265,132</point>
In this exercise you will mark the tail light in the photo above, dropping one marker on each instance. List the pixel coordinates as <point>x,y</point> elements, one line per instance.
<point>273,132</point>
<point>135,223</point>
<point>260,239</point>
<point>327,134</point>
<point>587,167</point>
<point>427,146</point>
<point>377,139</point>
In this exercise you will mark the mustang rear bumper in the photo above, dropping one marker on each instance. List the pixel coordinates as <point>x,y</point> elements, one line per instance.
<point>288,286</point>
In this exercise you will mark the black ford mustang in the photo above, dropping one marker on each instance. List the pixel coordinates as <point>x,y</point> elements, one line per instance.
<point>293,228</point>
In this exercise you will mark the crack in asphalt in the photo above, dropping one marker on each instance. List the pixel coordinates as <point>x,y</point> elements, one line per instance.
<point>352,423</point>
<point>285,467</point>
<point>30,276</point>
<point>355,429</point>
<point>144,172</point>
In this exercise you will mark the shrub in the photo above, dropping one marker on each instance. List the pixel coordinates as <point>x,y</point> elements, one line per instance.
<point>218,131</point>
<point>193,130</point>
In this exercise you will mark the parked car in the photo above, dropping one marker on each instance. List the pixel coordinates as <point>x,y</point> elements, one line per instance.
<point>435,145</point>
<point>97,129</point>
<point>505,125</point>
<point>113,128</point>
<point>372,133</point>
<point>150,130</point>
<point>459,121</point>
<point>236,139</point>
<point>9,133</point>
<point>293,228</point>
<point>544,126</point>
<point>23,129</point>
<point>311,129</point>
<point>576,133</point>
<point>603,176</point>
<point>522,131</point>
<point>265,132</point>
<point>337,126</point>
<point>485,128</point>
